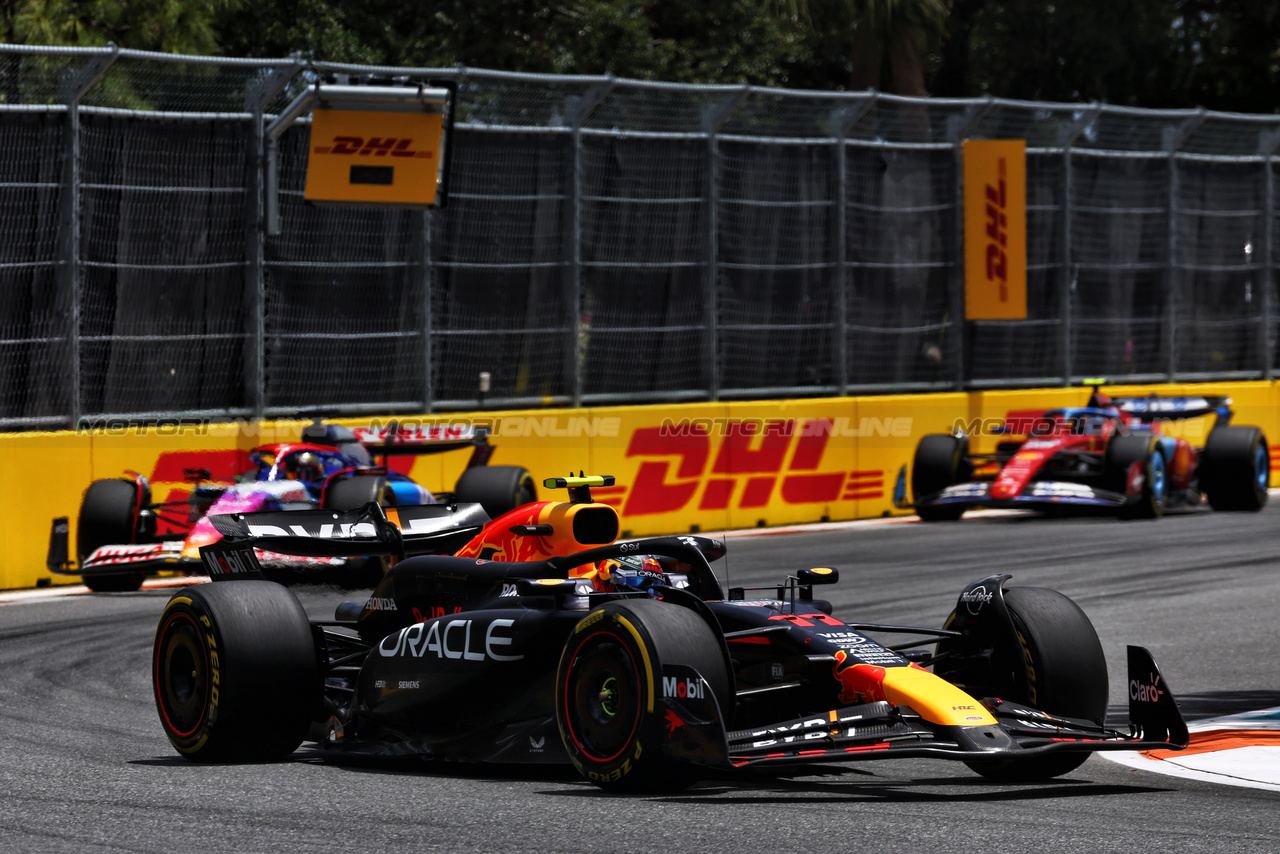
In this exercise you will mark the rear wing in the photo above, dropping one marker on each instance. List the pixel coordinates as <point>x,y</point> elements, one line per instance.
<point>399,440</point>
<point>1154,408</point>
<point>406,531</point>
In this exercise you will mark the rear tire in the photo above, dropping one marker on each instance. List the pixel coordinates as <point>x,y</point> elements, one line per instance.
<point>108,517</point>
<point>1067,669</point>
<point>235,673</point>
<point>607,680</point>
<point>499,489</point>
<point>941,460</point>
<point>1235,469</point>
<point>352,493</point>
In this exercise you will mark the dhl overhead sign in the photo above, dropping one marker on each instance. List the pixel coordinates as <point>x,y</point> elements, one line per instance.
<point>704,467</point>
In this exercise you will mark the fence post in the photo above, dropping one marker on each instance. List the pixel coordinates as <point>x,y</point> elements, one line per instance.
<point>1175,138</point>
<point>1267,144</point>
<point>958,128</point>
<point>1067,136</point>
<point>577,109</point>
<point>259,92</point>
<point>73,84</point>
<point>843,121</point>
<point>713,118</point>
<point>424,222</point>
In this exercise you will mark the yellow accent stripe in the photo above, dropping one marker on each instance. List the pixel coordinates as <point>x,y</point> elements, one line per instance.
<point>933,698</point>
<point>644,653</point>
<point>831,715</point>
<point>179,599</point>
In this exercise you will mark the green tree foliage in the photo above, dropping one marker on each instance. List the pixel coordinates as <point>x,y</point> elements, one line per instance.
<point>887,40</point>
<point>172,26</point>
<point>707,41</point>
<point>1220,54</point>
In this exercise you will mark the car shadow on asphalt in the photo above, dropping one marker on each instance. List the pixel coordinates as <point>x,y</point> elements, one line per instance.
<point>914,790</point>
<point>839,784</point>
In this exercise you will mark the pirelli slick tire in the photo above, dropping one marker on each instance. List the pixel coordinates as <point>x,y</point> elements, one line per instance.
<point>352,493</point>
<point>1122,452</point>
<point>607,690</point>
<point>235,672</point>
<point>1067,675</point>
<point>941,460</point>
<point>499,489</point>
<point>1235,469</point>
<point>109,516</point>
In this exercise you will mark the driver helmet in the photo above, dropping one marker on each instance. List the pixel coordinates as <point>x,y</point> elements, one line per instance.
<point>629,573</point>
<point>306,466</point>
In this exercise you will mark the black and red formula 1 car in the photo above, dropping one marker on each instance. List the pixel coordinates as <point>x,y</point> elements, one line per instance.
<point>1120,455</point>
<point>545,641</point>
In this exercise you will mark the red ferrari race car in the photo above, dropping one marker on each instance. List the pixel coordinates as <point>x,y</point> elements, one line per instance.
<point>332,467</point>
<point>1116,455</point>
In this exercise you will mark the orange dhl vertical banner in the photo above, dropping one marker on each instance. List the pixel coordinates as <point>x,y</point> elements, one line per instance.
<point>995,229</point>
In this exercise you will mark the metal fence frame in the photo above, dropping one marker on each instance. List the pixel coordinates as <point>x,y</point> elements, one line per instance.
<point>851,127</point>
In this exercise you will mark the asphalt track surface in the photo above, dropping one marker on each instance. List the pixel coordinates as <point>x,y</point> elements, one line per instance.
<point>84,765</point>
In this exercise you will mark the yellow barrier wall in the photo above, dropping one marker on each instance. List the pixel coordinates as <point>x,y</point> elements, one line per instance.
<point>679,468</point>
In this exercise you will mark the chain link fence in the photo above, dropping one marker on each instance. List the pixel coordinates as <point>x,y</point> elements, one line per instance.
<point>605,241</point>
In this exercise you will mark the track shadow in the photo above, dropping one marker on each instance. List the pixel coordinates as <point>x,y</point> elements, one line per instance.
<point>954,790</point>
<point>838,784</point>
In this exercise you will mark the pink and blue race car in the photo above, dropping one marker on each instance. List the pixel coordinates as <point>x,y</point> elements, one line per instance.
<point>123,535</point>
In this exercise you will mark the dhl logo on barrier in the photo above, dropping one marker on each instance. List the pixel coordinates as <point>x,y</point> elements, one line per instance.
<point>995,229</point>
<point>757,464</point>
<point>376,146</point>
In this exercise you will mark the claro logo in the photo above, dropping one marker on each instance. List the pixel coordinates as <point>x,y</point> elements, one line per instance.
<point>757,463</point>
<point>374,146</point>
<point>1144,693</point>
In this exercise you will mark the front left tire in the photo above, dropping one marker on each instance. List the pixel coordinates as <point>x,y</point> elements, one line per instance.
<point>108,517</point>
<point>1066,675</point>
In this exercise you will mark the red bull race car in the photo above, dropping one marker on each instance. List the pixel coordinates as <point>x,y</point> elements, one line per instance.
<point>117,538</point>
<point>543,640</point>
<point>1120,455</point>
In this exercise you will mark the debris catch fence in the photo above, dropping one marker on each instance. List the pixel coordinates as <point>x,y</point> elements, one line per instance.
<point>606,241</point>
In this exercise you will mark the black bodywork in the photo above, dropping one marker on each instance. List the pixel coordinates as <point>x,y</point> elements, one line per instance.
<point>456,658</point>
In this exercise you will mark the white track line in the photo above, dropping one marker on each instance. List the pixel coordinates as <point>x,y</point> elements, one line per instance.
<point>40,594</point>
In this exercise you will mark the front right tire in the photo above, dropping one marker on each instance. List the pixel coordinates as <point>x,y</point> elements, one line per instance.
<point>607,689</point>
